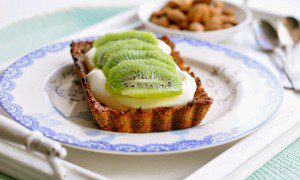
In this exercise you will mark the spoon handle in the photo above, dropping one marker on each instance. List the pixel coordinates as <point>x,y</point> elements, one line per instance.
<point>289,52</point>
<point>292,73</point>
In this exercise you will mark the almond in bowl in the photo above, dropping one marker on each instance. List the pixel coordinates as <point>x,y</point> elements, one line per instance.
<point>194,15</point>
<point>200,19</point>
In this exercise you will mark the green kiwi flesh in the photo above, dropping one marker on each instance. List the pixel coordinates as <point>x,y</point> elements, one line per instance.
<point>122,55</point>
<point>102,53</point>
<point>132,34</point>
<point>136,79</point>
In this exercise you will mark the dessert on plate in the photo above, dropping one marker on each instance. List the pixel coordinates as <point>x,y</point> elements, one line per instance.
<point>135,82</point>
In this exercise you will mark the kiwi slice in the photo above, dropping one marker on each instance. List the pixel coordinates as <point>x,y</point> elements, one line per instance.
<point>134,79</point>
<point>149,62</point>
<point>133,34</point>
<point>122,55</point>
<point>102,53</point>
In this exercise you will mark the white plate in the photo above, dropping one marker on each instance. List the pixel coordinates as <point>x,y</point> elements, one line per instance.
<point>41,92</point>
<point>243,16</point>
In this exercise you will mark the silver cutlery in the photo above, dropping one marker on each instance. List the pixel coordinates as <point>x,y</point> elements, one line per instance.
<point>268,40</point>
<point>289,34</point>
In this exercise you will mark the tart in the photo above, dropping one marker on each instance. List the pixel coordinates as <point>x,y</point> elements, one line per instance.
<point>141,120</point>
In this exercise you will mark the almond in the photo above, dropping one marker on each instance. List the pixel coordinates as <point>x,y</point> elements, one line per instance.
<point>194,14</point>
<point>229,19</point>
<point>205,13</point>
<point>196,26</point>
<point>183,24</point>
<point>164,10</point>
<point>219,4</point>
<point>180,4</point>
<point>173,26</point>
<point>199,12</point>
<point>228,11</point>
<point>214,23</point>
<point>154,14</point>
<point>176,15</point>
<point>172,4</point>
<point>227,25</point>
<point>185,4</point>
<point>215,11</point>
<point>162,21</point>
<point>202,1</point>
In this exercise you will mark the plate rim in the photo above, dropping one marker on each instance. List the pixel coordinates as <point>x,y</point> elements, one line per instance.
<point>15,111</point>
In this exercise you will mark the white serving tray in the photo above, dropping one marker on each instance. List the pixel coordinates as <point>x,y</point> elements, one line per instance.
<point>176,166</point>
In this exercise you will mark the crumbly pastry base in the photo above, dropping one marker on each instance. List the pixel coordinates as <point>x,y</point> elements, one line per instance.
<point>142,120</point>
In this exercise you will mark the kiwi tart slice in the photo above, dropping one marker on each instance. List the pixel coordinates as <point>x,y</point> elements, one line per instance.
<point>139,120</point>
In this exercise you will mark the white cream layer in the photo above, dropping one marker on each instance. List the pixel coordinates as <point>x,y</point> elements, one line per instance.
<point>97,82</point>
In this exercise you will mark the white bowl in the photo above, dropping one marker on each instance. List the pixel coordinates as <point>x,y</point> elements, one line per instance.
<point>243,15</point>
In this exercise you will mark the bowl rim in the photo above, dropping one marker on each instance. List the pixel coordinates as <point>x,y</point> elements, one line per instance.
<point>242,24</point>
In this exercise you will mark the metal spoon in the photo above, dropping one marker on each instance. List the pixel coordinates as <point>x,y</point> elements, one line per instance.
<point>289,34</point>
<point>267,39</point>
<point>293,27</point>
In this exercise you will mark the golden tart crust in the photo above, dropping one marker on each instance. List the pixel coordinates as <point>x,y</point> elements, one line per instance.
<point>142,120</point>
